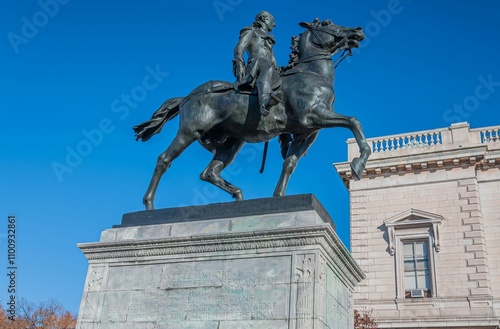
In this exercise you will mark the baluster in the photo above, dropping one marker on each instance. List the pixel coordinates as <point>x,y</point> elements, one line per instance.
<point>433,136</point>
<point>391,145</point>
<point>385,144</point>
<point>426,140</point>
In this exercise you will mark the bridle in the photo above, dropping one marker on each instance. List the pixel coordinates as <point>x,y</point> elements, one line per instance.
<point>342,44</point>
<point>325,54</point>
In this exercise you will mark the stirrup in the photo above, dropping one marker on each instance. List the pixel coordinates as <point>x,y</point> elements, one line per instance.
<point>264,111</point>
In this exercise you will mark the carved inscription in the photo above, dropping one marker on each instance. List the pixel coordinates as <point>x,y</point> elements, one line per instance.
<point>216,278</point>
<point>223,290</point>
<point>115,306</point>
<point>254,324</point>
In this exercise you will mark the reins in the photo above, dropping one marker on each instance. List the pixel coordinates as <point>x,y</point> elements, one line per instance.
<point>342,57</point>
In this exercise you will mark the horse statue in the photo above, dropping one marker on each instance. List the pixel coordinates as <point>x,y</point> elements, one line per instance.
<point>222,119</point>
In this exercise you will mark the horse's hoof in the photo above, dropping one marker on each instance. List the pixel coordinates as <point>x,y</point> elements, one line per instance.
<point>357,167</point>
<point>238,196</point>
<point>149,205</point>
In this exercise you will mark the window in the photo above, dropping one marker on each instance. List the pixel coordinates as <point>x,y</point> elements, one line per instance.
<point>416,267</point>
<point>413,238</point>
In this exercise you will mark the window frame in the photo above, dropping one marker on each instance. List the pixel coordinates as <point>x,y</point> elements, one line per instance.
<point>400,271</point>
<point>411,226</point>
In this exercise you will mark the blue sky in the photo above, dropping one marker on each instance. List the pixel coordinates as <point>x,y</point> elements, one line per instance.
<point>67,70</point>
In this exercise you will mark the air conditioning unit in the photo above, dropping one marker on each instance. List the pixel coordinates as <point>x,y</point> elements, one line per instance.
<point>417,293</point>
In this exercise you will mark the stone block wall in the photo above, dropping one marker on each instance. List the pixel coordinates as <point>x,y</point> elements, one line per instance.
<point>451,176</point>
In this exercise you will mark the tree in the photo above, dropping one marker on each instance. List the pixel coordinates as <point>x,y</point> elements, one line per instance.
<point>46,315</point>
<point>364,320</point>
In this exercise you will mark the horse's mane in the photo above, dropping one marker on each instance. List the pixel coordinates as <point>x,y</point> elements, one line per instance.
<point>294,54</point>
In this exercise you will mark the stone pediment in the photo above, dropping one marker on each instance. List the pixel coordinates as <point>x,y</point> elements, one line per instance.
<point>413,217</point>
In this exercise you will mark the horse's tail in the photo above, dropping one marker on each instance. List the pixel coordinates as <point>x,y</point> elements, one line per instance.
<point>167,111</point>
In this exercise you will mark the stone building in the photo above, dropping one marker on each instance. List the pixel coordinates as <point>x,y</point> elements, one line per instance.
<point>425,228</point>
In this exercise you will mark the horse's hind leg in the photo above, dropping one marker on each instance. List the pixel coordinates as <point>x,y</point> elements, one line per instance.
<point>178,145</point>
<point>298,148</point>
<point>223,157</point>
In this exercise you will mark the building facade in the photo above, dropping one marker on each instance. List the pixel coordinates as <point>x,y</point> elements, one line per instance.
<point>425,228</point>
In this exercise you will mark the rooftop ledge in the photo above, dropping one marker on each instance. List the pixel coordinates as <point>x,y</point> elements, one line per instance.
<point>456,145</point>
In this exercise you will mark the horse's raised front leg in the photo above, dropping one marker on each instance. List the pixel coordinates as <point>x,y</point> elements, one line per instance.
<point>298,148</point>
<point>330,119</point>
<point>357,164</point>
<point>223,157</point>
<point>178,145</point>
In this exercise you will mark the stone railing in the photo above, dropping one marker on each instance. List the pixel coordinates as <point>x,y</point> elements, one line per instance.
<point>488,134</point>
<point>403,141</point>
<point>457,135</point>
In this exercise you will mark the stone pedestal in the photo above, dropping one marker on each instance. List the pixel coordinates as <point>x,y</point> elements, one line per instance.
<point>260,264</point>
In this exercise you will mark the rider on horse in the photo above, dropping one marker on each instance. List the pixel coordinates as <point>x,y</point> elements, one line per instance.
<point>261,68</point>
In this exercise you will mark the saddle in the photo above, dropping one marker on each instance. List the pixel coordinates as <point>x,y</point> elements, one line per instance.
<point>218,86</point>
<point>249,88</point>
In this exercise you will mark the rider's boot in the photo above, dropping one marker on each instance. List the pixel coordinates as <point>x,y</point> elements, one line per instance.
<point>267,101</point>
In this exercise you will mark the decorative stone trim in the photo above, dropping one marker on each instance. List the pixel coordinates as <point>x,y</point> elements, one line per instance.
<point>444,148</point>
<point>373,169</point>
<point>321,235</point>
<point>413,218</point>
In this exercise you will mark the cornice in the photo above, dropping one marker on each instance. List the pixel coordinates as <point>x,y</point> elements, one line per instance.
<point>401,163</point>
<point>321,235</point>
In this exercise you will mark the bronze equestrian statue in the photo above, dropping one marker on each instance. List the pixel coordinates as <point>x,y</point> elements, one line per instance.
<point>222,118</point>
